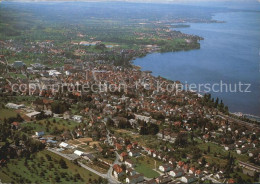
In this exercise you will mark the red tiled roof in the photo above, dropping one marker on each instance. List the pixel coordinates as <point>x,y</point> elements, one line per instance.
<point>16,123</point>
<point>180,163</point>
<point>123,154</point>
<point>117,168</point>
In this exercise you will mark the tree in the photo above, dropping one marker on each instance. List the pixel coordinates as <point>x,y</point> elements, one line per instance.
<point>48,157</point>
<point>143,130</point>
<point>57,178</point>
<point>181,140</point>
<point>216,103</point>
<point>153,129</point>
<point>63,164</point>
<point>203,162</point>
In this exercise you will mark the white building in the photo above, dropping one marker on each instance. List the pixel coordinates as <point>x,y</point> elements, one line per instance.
<point>33,114</point>
<point>177,173</point>
<point>165,167</point>
<point>79,153</point>
<point>54,73</point>
<point>77,118</point>
<point>129,163</point>
<point>64,145</point>
<point>39,133</point>
<point>14,106</point>
<point>188,178</point>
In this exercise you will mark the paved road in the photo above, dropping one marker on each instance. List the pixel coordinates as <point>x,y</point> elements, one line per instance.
<point>110,177</point>
<point>63,155</point>
<point>212,179</point>
<point>107,176</point>
<point>240,121</point>
<point>93,170</point>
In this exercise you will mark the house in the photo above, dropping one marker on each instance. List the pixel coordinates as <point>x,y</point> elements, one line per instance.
<point>241,150</point>
<point>192,170</point>
<point>16,125</point>
<point>219,176</point>
<point>166,167</point>
<point>231,181</point>
<point>172,161</point>
<point>229,147</point>
<point>77,118</point>
<point>64,145</point>
<point>198,173</point>
<point>90,157</point>
<point>130,171</point>
<point>159,135</point>
<point>123,156</point>
<point>134,153</point>
<point>188,178</point>
<point>150,151</point>
<point>79,133</point>
<point>163,179</point>
<point>117,171</point>
<point>14,106</point>
<point>135,178</point>
<point>129,147</point>
<point>185,168</point>
<point>79,153</point>
<point>54,73</point>
<point>66,115</point>
<point>135,144</point>
<point>160,156</point>
<point>33,114</point>
<point>129,163</point>
<point>165,158</point>
<point>2,162</point>
<point>177,173</point>
<point>39,133</point>
<point>180,164</point>
<point>118,146</point>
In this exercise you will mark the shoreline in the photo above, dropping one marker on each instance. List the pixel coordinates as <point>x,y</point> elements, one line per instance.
<point>252,113</point>
<point>252,116</point>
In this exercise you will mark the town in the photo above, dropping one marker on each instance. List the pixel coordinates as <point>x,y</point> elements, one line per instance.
<point>81,111</point>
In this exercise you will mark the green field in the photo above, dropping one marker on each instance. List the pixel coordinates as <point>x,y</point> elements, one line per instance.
<point>215,148</point>
<point>41,170</point>
<point>49,125</point>
<point>7,113</point>
<point>145,165</point>
<point>146,171</point>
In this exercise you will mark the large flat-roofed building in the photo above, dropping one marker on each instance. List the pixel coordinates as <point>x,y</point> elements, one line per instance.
<point>14,106</point>
<point>33,114</point>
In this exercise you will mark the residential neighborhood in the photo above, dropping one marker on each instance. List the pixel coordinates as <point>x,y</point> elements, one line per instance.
<point>76,108</point>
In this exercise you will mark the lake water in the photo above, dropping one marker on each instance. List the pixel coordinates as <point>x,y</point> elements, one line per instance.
<point>229,53</point>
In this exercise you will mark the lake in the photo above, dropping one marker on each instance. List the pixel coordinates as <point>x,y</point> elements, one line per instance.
<point>228,53</point>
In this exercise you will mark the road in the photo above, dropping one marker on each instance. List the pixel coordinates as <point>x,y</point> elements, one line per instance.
<point>107,176</point>
<point>255,126</point>
<point>110,176</point>
<point>61,154</point>
<point>93,170</point>
<point>212,179</point>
